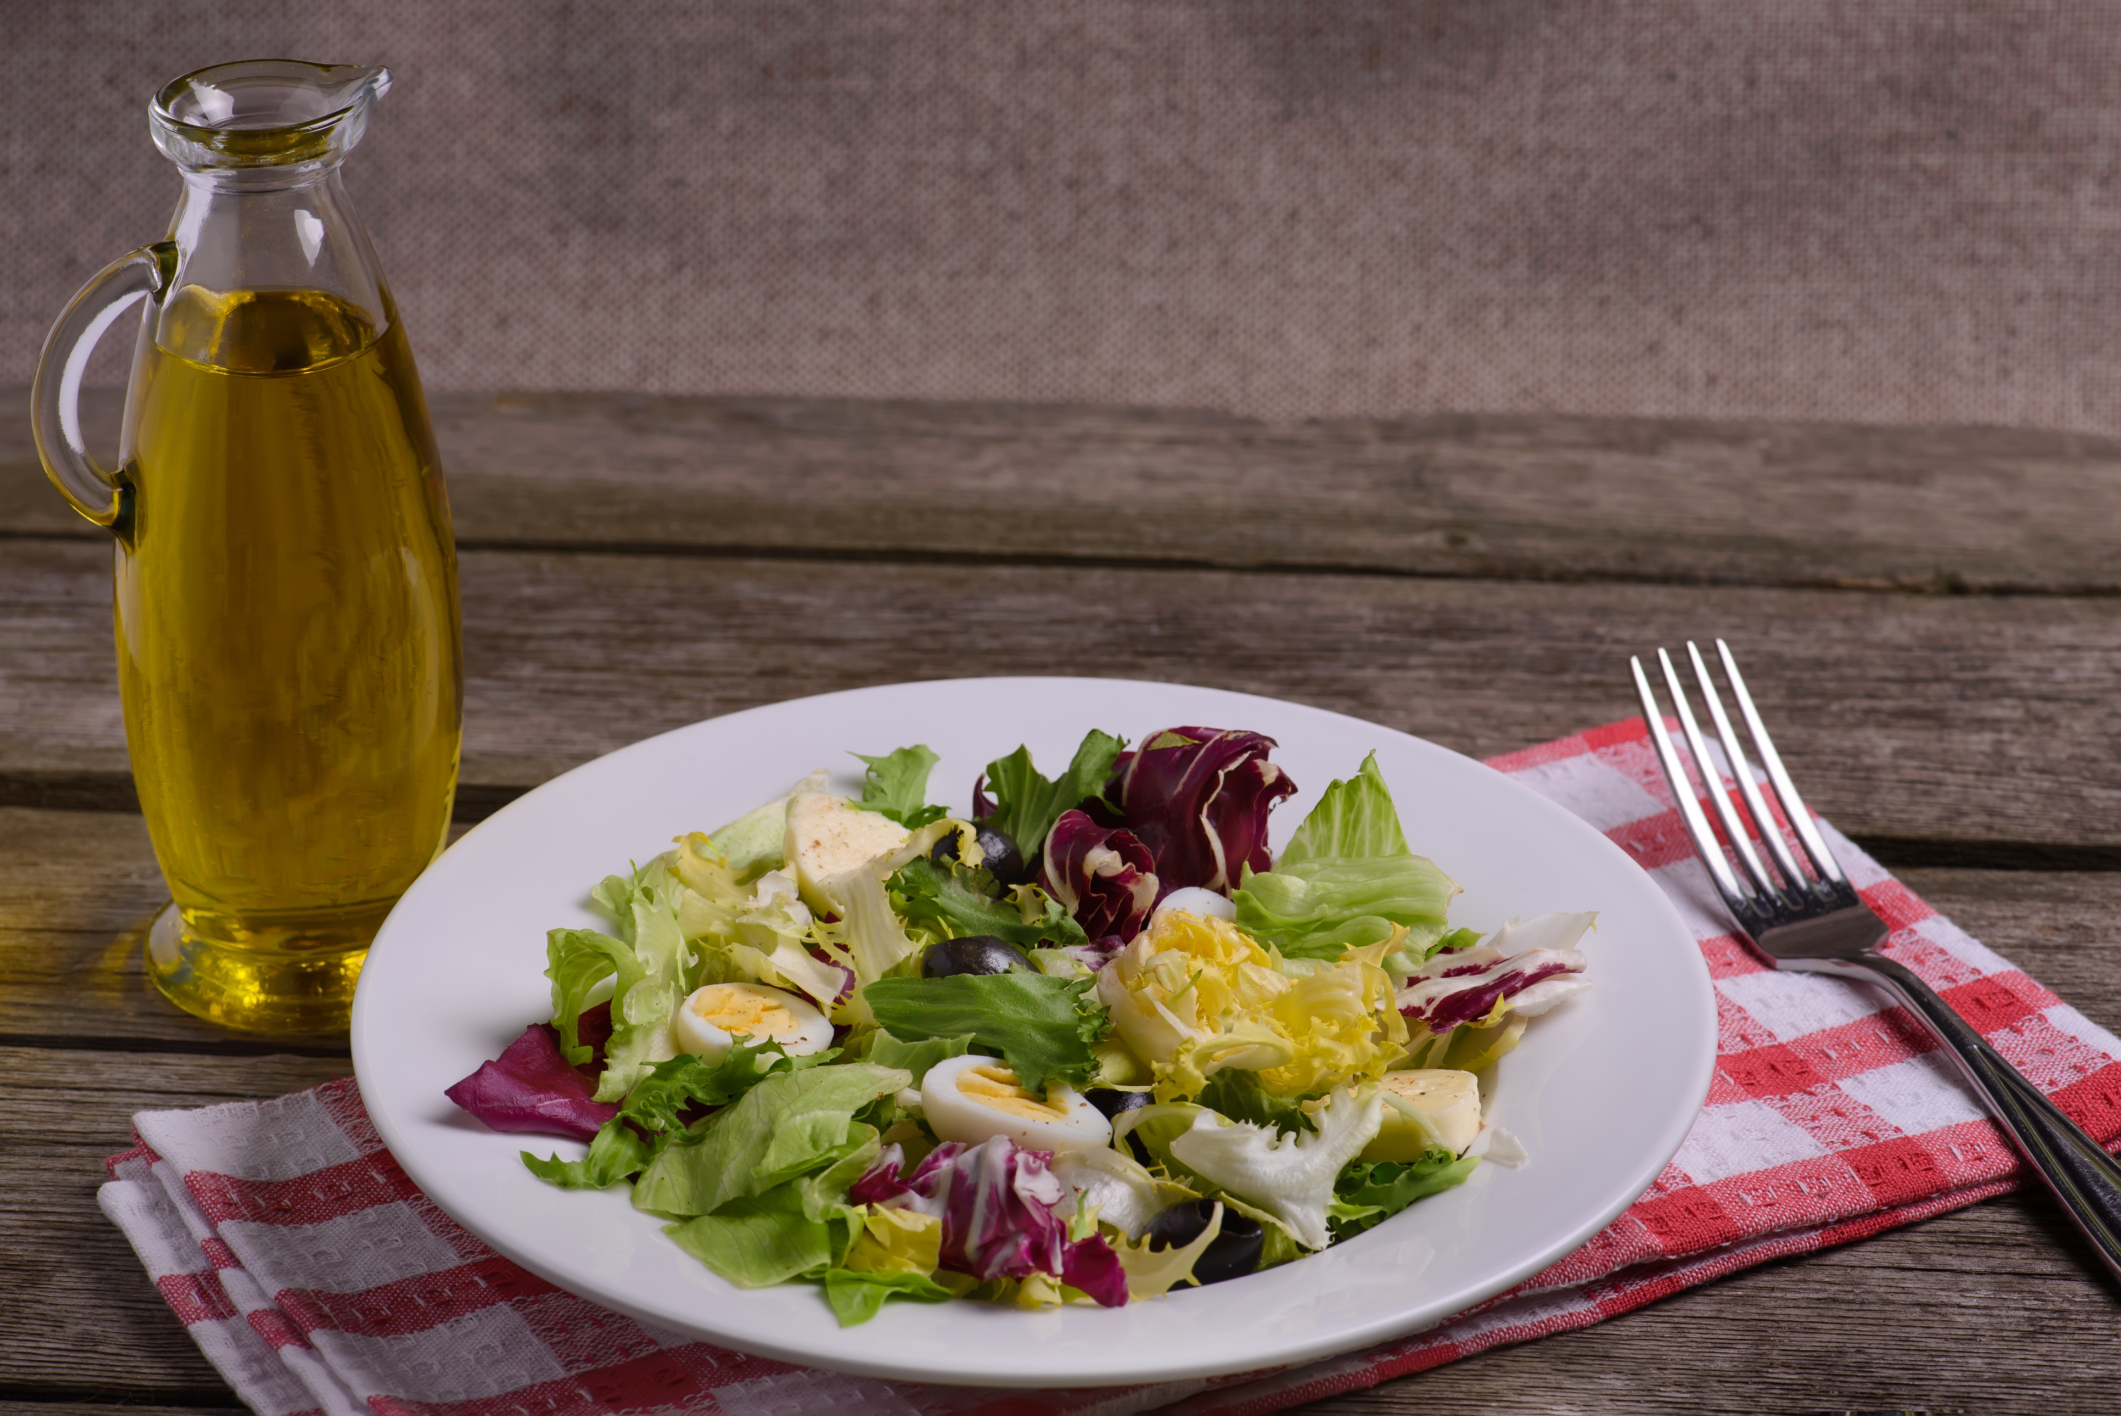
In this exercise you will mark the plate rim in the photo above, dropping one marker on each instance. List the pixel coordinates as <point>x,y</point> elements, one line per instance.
<point>1651,1161</point>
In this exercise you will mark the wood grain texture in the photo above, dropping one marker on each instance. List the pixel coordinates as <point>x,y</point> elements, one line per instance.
<point>77,1313</point>
<point>1934,718</point>
<point>1991,1309</point>
<point>1522,497</point>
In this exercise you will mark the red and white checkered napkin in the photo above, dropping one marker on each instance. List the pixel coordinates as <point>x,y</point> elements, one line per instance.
<point>316,1278</point>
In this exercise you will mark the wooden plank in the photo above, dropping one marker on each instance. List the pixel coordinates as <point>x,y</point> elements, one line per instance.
<point>76,896</point>
<point>1521,496</point>
<point>1952,719</point>
<point>2062,928</point>
<point>1989,1309</point>
<point>77,1313</point>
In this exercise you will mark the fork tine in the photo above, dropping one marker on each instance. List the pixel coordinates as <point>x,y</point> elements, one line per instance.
<point>1785,790</point>
<point>1719,799</point>
<point>1697,825</point>
<point>1743,775</point>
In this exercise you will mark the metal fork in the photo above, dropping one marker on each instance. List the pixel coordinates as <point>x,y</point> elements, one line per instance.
<point>1817,923</point>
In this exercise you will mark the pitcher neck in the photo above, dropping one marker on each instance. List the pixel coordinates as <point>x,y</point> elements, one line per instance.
<point>235,236</point>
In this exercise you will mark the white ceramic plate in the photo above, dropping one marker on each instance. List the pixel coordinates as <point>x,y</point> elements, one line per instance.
<point>1601,1092</point>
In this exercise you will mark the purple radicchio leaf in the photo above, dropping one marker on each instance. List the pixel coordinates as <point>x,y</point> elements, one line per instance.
<point>1097,953</point>
<point>1102,875</point>
<point>1090,1265</point>
<point>1198,798</point>
<point>881,1182</point>
<point>1463,987</point>
<point>1000,1208</point>
<point>531,1087</point>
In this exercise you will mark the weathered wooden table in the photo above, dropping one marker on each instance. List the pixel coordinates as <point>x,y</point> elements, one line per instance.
<point>1928,616</point>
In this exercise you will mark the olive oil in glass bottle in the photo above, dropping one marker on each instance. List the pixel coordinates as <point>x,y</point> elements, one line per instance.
<point>286,603</point>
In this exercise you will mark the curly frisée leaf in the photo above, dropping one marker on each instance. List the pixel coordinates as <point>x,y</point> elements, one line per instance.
<point>1151,1273</point>
<point>648,990</point>
<point>577,960</point>
<point>1043,1027</point>
<point>1290,1177</point>
<point>896,785</point>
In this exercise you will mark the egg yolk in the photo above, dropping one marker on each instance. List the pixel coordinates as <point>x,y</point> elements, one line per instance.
<point>998,1087</point>
<point>745,1013</point>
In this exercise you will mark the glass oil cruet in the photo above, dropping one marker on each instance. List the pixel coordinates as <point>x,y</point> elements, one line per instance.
<point>286,619</point>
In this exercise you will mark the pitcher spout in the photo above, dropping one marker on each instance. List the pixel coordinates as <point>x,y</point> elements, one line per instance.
<point>265,113</point>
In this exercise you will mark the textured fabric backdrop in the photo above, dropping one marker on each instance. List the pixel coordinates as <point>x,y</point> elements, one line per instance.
<point>1903,210</point>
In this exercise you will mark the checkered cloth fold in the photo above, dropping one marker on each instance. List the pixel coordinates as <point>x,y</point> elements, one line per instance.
<point>316,1277</point>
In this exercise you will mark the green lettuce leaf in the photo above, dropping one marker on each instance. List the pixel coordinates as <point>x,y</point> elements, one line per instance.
<point>916,1057</point>
<point>1315,909</point>
<point>658,1098</point>
<point>925,893</point>
<point>856,1297</point>
<point>615,1152</point>
<point>896,785</point>
<point>786,1126</point>
<point>1354,820</point>
<point>763,1239</point>
<point>1368,1193</point>
<point>1026,804</point>
<point>1240,1095</point>
<point>1043,1027</point>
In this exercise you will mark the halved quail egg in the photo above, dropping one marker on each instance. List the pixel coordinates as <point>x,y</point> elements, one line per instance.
<point>710,1021</point>
<point>974,1098</point>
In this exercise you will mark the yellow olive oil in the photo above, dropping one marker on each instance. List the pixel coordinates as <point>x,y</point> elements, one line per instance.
<point>289,651</point>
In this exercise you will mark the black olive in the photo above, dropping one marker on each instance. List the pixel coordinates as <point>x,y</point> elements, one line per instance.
<point>999,854</point>
<point>1115,1104</point>
<point>974,954</point>
<point>1232,1253</point>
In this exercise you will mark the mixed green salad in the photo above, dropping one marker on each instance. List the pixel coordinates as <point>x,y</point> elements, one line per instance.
<point>1087,1042</point>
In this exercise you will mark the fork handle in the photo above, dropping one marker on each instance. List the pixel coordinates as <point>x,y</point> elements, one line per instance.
<point>2084,1178</point>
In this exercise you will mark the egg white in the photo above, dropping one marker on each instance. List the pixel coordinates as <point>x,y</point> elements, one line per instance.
<point>957,1115</point>
<point>704,1022</point>
<point>1196,899</point>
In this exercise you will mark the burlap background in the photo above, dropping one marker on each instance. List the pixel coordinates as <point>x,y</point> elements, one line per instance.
<point>1892,210</point>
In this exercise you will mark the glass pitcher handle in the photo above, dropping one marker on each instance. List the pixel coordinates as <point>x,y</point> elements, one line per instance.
<point>55,397</point>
